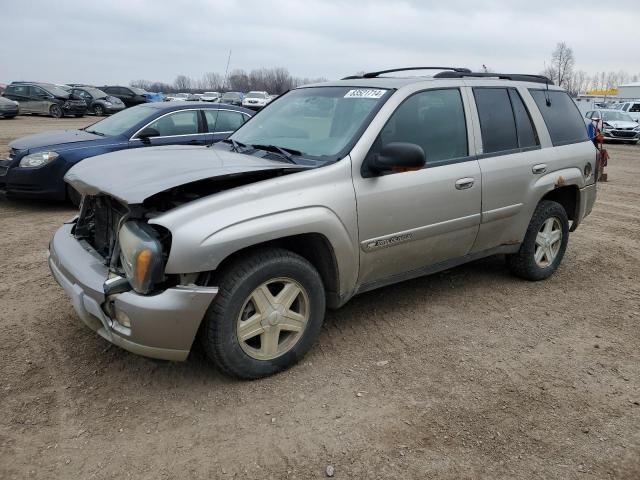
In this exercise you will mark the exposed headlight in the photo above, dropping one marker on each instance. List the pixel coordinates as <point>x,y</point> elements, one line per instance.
<point>141,255</point>
<point>108,104</point>
<point>39,159</point>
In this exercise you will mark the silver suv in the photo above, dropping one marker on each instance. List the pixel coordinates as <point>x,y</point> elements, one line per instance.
<point>332,190</point>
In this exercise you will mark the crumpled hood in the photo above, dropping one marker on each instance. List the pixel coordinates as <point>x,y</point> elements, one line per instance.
<point>132,176</point>
<point>53,138</point>
<point>622,124</point>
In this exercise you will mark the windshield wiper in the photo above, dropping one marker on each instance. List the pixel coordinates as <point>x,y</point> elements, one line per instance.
<point>96,133</point>
<point>235,146</point>
<point>286,153</point>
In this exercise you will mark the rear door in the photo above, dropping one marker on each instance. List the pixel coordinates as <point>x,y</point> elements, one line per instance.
<point>20,93</point>
<point>509,153</point>
<point>40,99</point>
<point>221,123</point>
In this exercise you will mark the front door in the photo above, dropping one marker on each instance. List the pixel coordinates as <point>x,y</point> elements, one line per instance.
<point>184,127</point>
<point>410,220</point>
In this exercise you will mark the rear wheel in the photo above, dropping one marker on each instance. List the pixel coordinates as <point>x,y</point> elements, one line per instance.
<point>55,111</point>
<point>98,110</point>
<point>544,243</point>
<point>267,314</point>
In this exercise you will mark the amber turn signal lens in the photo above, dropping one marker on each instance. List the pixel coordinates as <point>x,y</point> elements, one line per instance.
<point>142,264</point>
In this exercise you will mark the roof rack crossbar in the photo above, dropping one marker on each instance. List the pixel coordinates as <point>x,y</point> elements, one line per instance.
<point>406,69</point>
<point>503,76</point>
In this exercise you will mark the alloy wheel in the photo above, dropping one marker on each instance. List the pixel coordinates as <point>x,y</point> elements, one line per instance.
<point>273,318</point>
<point>548,242</point>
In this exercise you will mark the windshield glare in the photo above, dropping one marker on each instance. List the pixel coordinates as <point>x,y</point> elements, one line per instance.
<point>137,91</point>
<point>256,95</point>
<point>616,116</point>
<point>119,123</point>
<point>56,91</point>
<point>317,121</point>
<point>95,93</point>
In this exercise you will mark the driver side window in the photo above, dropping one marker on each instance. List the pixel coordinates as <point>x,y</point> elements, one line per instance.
<point>434,120</point>
<point>179,123</point>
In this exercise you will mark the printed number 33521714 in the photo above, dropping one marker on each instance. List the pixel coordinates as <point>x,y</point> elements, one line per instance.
<point>365,93</point>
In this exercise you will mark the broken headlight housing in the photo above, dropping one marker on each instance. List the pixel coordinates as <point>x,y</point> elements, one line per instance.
<point>140,256</point>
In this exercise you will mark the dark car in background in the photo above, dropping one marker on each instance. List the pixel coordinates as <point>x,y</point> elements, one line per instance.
<point>98,102</point>
<point>37,163</point>
<point>130,96</point>
<point>8,108</point>
<point>45,99</point>
<point>232,98</point>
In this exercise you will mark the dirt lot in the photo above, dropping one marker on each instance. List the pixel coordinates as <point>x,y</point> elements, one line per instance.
<point>465,374</point>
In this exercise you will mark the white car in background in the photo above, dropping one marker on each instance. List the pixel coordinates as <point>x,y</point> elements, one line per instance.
<point>182,97</point>
<point>256,100</point>
<point>632,108</point>
<point>210,96</point>
<point>617,126</point>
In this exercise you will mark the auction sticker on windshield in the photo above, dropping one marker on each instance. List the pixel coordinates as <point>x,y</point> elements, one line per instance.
<point>365,93</point>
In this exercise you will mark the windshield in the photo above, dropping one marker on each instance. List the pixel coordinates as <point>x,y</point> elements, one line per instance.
<point>317,121</point>
<point>56,91</point>
<point>256,95</point>
<point>94,92</point>
<point>182,95</point>
<point>137,91</point>
<point>120,122</point>
<point>231,95</point>
<point>211,94</point>
<point>616,116</point>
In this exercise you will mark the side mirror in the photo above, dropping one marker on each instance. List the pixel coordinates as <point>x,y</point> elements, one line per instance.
<point>398,155</point>
<point>148,133</point>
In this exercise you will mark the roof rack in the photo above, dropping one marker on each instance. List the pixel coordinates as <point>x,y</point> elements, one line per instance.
<point>392,70</point>
<point>502,76</point>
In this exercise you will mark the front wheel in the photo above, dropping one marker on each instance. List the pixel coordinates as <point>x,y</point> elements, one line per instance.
<point>267,314</point>
<point>98,110</point>
<point>544,243</point>
<point>55,111</point>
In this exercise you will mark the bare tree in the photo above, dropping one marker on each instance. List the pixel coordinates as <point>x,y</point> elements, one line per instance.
<point>212,81</point>
<point>238,81</point>
<point>562,62</point>
<point>182,83</point>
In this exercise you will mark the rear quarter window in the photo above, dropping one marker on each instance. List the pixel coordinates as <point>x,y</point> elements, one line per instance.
<point>561,116</point>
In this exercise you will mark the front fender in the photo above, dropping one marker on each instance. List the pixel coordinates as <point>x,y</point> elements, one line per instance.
<point>194,255</point>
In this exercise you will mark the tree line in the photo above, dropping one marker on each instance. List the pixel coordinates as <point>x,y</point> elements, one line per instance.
<point>272,80</point>
<point>562,71</point>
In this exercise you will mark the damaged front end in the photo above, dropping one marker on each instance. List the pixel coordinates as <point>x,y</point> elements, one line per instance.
<point>111,259</point>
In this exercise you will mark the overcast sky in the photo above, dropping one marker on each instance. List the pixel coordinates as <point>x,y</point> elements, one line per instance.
<point>116,41</point>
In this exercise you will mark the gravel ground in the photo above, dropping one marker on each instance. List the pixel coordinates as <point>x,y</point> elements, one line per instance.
<point>469,373</point>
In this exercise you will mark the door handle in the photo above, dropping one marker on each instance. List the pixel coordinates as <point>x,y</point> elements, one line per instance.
<point>464,183</point>
<point>540,168</point>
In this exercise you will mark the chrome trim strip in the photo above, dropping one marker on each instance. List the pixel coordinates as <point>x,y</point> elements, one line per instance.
<point>500,213</point>
<point>185,110</point>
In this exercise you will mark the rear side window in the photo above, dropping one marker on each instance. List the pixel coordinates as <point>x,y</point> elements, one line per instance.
<point>434,120</point>
<point>504,120</point>
<point>223,121</point>
<point>561,116</point>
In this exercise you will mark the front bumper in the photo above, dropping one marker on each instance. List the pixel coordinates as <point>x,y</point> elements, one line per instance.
<point>162,326</point>
<point>9,112</point>
<point>621,135</point>
<point>37,183</point>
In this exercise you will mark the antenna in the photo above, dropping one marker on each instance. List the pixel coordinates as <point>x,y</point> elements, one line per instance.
<point>224,81</point>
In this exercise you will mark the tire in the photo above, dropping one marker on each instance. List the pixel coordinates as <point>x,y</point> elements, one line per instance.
<point>524,264</point>
<point>55,111</point>
<point>74,196</point>
<point>98,110</point>
<point>233,310</point>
